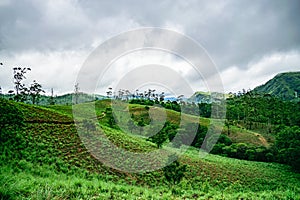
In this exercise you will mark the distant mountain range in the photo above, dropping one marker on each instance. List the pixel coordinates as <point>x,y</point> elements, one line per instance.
<point>200,97</point>
<point>283,85</point>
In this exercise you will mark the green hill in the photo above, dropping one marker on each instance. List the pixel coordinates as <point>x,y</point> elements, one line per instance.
<point>44,158</point>
<point>283,85</point>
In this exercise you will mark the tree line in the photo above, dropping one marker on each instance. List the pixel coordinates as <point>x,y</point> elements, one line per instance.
<point>260,112</point>
<point>21,92</point>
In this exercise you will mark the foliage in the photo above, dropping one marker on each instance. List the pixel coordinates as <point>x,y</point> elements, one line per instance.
<point>285,86</point>
<point>288,146</point>
<point>19,76</point>
<point>258,112</point>
<point>174,172</point>
<point>35,91</point>
<point>47,160</point>
<point>88,125</point>
<point>10,115</point>
<point>159,138</point>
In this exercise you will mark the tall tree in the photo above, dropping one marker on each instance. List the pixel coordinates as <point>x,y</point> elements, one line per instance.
<point>109,92</point>
<point>35,91</point>
<point>52,101</point>
<point>76,93</point>
<point>19,76</point>
<point>162,97</point>
<point>0,86</point>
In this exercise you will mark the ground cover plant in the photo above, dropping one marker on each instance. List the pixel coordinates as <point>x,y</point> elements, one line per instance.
<point>44,158</point>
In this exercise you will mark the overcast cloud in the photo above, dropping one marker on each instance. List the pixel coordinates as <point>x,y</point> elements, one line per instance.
<point>249,41</point>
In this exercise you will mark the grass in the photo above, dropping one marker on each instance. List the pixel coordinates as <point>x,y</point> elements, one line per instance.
<point>47,160</point>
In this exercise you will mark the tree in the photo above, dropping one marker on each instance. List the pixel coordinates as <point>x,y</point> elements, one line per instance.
<point>19,75</point>
<point>51,100</point>
<point>0,86</point>
<point>109,92</point>
<point>76,93</point>
<point>141,124</point>
<point>227,124</point>
<point>111,119</point>
<point>159,138</point>
<point>88,125</point>
<point>174,172</point>
<point>162,97</point>
<point>288,146</point>
<point>35,91</point>
<point>131,125</point>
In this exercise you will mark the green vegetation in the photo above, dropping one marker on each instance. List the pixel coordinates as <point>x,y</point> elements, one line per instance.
<point>285,86</point>
<point>44,158</point>
<point>44,154</point>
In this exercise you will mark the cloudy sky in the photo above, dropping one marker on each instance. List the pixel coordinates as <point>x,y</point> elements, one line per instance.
<point>249,41</point>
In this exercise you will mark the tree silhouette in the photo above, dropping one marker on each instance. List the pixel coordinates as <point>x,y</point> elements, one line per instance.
<point>19,75</point>
<point>76,93</point>
<point>35,91</point>
<point>51,100</point>
<point>0,86</point>
<point>109,92</point>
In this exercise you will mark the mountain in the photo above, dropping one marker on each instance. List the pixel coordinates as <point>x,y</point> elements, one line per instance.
<point>200,97</point>
<point>283,85</point>
<point>207,97</point>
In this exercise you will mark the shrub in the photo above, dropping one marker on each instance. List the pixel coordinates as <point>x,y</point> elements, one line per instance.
<point>288,145</point>
<point>174,172</point>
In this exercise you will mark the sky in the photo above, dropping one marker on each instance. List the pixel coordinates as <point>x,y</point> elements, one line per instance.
<point>248,41</point>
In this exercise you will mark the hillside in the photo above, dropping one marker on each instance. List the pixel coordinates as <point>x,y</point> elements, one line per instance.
<point>283,85</point>
<point>45,159</point>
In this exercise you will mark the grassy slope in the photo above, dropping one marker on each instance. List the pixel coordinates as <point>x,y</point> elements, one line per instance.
<point>48,161</point>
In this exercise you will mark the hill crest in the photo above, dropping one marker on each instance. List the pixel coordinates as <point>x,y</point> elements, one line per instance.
<point>284,85</point>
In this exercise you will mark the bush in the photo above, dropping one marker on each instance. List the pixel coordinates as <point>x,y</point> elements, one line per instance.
<point>288,146</point>
<point>174,172</point>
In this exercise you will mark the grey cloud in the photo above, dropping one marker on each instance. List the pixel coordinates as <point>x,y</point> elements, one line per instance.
<point>234,32</point>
